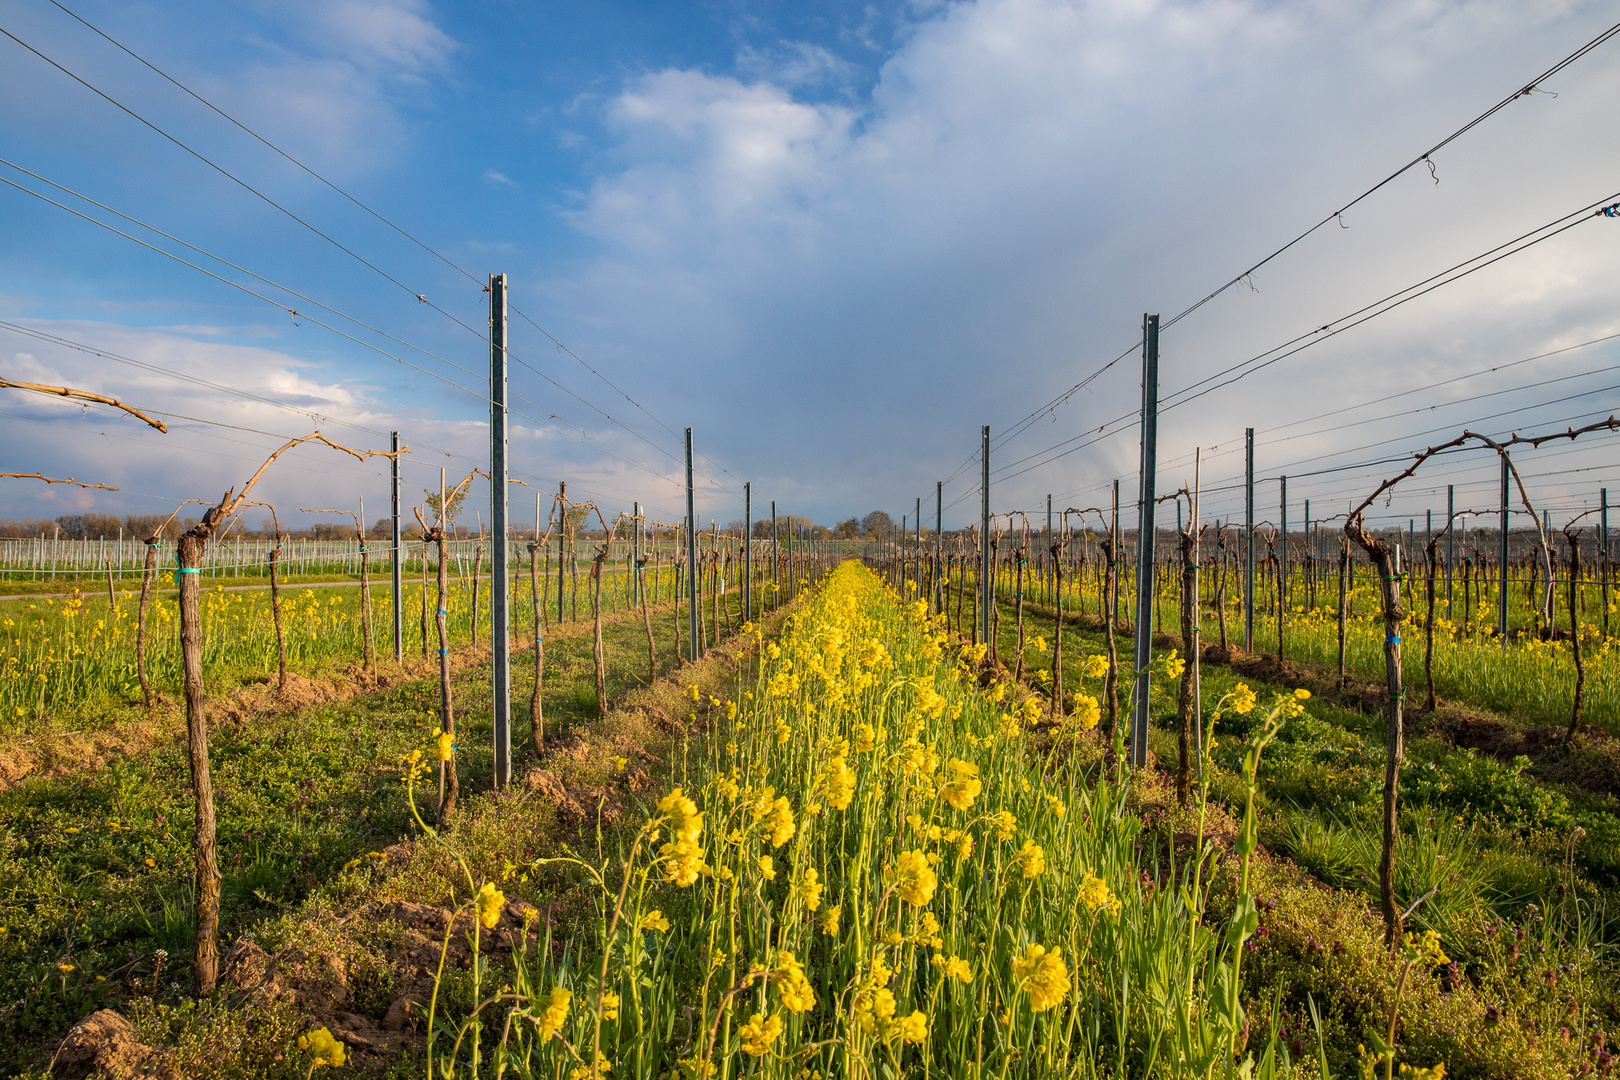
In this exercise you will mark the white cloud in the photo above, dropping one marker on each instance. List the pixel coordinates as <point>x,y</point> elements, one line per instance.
<point>1030,175</point>
<point>393,35</point>
<point>498,179</point>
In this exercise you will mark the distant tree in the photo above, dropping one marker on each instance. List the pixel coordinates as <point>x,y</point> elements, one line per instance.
<point>847,530</point>
<point>878,521</point>
<point>454,509</point>
<point>762,530</point>
<point>141,526</point>
<point>90,526</point>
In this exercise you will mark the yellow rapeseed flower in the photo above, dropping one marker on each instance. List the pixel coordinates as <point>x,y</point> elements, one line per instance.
<point>913,1028</point>
<point>810,889</point>
<point>653,920</point>
<point>915,879</point>
<point>1243,699</point>
<point>1043,976</point>
<point>1097,896</point>
<point>760,1033</point>
<point>324,1049</point>
<point>797,993</point>
<point>1031,859</point>
<point>956,968</point>
<point>963,786</point>
<point>489,902</point>
<point>555,1014</point>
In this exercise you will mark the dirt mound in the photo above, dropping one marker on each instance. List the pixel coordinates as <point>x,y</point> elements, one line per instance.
<point>337,991</point>
<point>104,1044</point>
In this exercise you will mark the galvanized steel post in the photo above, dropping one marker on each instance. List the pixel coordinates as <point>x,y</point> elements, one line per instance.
<point>1145,535</point>
<point>499,617</point>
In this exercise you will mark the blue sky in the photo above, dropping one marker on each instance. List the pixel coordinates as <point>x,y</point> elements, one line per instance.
<point>834,239</point>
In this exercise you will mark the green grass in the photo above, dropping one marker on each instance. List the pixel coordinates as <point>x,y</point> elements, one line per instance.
<point>297,797</point>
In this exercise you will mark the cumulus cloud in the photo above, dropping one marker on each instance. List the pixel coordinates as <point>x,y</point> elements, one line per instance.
<point>1028,176</point>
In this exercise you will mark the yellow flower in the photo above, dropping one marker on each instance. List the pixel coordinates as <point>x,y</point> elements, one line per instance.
<point>916,880</point>
<point>1243,699</point>
<point>838,783</point>
<point>797,993</point>
<point>914,1028</point>
<point>767,867</point>
<point>610,1006</point>
<point>684,859</point>
<point>64,968</point>
<point>1094,667</point>
<point>759,1033</point>
<point>1087,712</point>
<point>829,920</point>
<point>1031,859</point>
<point>810,889</point>
<point>445,747</point>
<point>692,692</point>
<point>489,902</point>
<point>958,969</point>
<point>1005,824</point>
<point>1095,894</point>
<point>1043,976</point>
<point>781,823</point>
<point>964,785</point>
<point>1055,805</point>
<point>324,1049</point>
<point>653,920</point>
<point>555,1014</point>
<point>1305,695</point>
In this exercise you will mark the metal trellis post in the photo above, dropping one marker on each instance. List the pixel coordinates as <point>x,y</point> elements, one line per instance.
<point>500,628</point>
<point>1145,536</point>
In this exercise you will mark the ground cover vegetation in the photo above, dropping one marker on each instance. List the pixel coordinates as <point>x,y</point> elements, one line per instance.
<point>995,896</point>
<point>96,898</point>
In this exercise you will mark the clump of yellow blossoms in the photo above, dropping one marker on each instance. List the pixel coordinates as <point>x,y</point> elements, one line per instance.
<point>797,993</point>
<point>1043,976</point>
<point>760,1033</point>
<point>963,786</point>
<point>323,1048</point>
<point>555,1013</point>
<point>914,878</point>
<point>683,858</point>
<point>489,902</point>
<point>1030,859</point>
<point>1097,896</point>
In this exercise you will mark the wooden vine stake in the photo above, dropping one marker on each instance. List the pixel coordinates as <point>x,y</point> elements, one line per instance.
<point>449,782</point>
<point>192,546</point>
<point>1057,616</point>
<point>1572,537</point>
<point>275,597</point>
<point>1189,645</point>
<point>536,714</point>
<point>1110,546</point>
<point>646,615</point>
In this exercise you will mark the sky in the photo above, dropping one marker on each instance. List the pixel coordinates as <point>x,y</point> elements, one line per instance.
<point>833,239</point>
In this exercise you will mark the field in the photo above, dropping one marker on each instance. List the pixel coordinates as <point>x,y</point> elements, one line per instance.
<point>849,841</point>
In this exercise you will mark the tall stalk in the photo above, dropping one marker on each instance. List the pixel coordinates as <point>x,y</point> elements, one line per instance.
<point>140,619</point>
